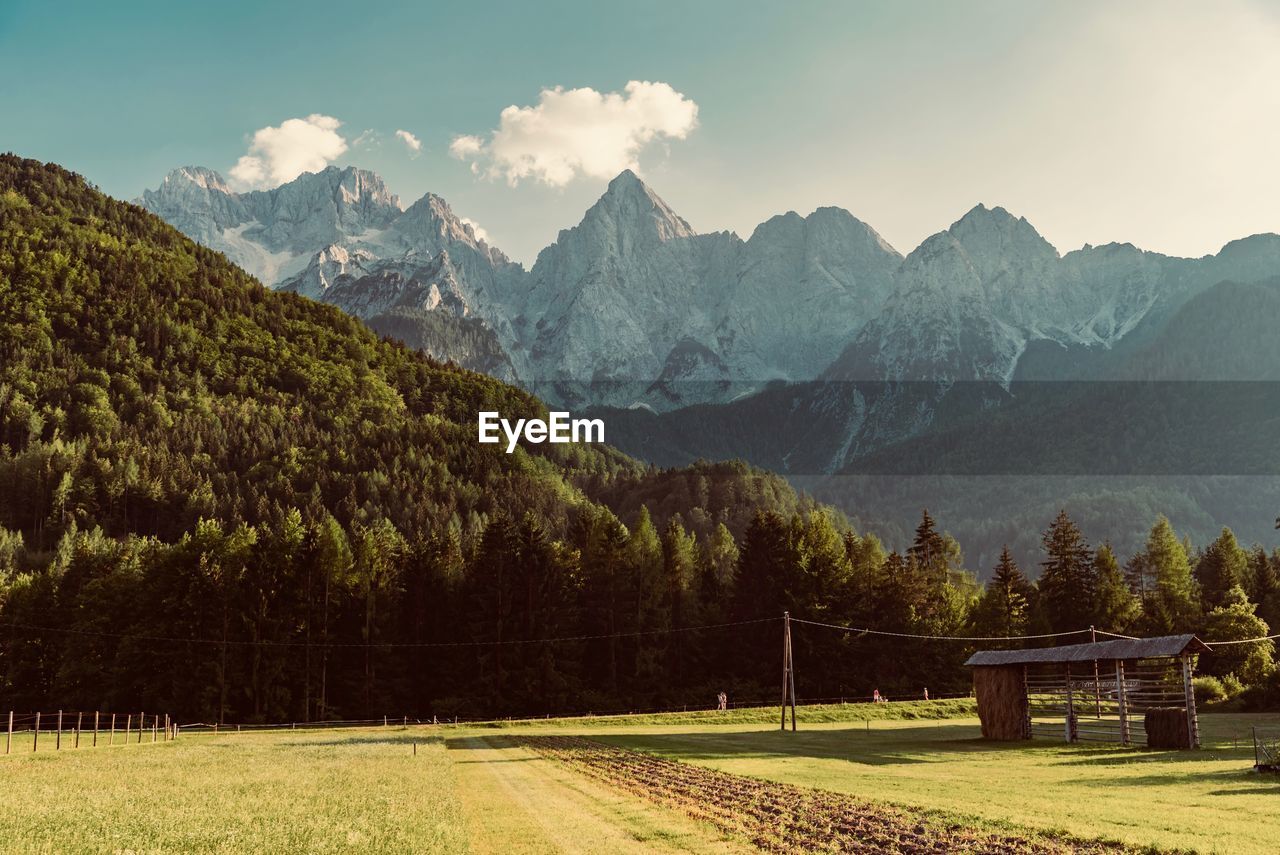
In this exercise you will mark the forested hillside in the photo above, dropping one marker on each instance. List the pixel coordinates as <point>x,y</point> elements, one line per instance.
<point>234,504</point>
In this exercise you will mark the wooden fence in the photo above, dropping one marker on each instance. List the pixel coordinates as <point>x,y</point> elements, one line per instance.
<point>60,730</point>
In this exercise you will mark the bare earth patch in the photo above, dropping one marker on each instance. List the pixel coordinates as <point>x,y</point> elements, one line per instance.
<point>784,818</point>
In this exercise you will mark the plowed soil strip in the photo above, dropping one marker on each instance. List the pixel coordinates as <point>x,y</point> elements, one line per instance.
<point>784,818</point>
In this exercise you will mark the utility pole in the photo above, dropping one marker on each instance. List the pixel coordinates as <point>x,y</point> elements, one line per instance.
<point>788,674</point>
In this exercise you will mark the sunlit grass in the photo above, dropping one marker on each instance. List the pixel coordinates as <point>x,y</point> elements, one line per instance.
<point>327,791</point>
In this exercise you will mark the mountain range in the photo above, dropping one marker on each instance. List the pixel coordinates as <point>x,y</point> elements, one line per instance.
<point>812,348</point>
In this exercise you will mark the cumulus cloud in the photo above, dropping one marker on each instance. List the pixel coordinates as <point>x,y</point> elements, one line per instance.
<point>411,142</point>
<point>280,154</point>
<point>572,132</point>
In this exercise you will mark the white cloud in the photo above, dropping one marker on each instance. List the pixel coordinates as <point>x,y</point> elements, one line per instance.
<point>411,142</point>
<point>476,229</point>
<point>281,154</point>
<point>572,132</point>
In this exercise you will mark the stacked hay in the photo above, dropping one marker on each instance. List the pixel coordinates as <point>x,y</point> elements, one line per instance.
<point>1002,701</point>
<point>1167,728</point>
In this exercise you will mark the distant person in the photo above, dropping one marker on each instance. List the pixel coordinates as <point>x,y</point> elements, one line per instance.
<point>875,696</point>
<point>723,701</point>
<point>926,693</point>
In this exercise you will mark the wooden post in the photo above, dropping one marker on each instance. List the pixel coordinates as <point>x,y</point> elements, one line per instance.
<point>786,683</point>
<point>142,725</point>
<point>79,721</point>
<point>57,740</point>
<point>111,740</point>
<point>788,674</point>
<point>1193,723</point>
<point>35,734</point>
<point>155,726</point>
<point>1026,696</point>
<point>1097,686</point>
<point>95,728</point>
<point>1071,709</point>
<point>1122,699</point>
<point>166,727</point>
<point>791,673</point>
<point>128,725</point>
<point>8,743</point>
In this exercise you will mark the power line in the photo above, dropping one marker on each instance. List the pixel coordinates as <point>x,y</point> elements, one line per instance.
<point>1242,640</point>
<point>1117,635</point>
<point>865,631</point>
<point>573,638</point>
<point>379,644</point>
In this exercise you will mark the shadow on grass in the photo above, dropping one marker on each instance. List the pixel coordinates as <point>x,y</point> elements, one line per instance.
<point>927,743</point>
<point>405,739</point>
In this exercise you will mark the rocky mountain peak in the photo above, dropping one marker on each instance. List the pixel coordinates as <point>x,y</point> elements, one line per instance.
<point>200,176</point>
<point>991,233</point>
<point>630,206</point>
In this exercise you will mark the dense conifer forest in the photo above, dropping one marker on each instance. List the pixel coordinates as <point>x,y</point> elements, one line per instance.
<point>240,505</point>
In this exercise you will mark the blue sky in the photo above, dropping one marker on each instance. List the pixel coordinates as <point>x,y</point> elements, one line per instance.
<point>1150,122</point>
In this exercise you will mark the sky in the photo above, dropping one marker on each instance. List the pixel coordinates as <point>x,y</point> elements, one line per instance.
<point>1151,122</point>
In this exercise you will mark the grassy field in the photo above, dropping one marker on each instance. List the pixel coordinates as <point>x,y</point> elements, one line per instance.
<point>470,789</point>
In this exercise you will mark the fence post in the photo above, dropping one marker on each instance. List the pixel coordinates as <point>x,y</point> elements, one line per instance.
<point>155,725</point>
<point>79,721</point>
<point>111,740</point>
<point>1122,701</point>
<point>166,727</point>
<point>128,725</point>
<point>95,728</point>
<point>1193,722</point>
<point>57,742</point>
<point>8,743</point>
<point>142,725</point>
<point>35,734</point>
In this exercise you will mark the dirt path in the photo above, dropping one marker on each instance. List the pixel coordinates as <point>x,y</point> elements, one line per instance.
<point>520,802</point>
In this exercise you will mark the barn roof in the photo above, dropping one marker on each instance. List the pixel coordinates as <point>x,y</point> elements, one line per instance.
<point>1120,648</point>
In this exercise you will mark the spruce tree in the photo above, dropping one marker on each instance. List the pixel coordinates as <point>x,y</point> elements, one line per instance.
<point>1223,566</point>
<point>929,548</point>
<point>1114,605</point>
<point>1067,585</point>
<point>1005,606</point>
<point>1171,606</point>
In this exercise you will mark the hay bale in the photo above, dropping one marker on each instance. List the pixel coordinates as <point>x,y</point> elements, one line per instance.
<point>1167,728</point>
<point>1002,701</point>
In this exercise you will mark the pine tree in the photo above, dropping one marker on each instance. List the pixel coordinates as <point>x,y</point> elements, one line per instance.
<point>1005,606</point>
<point>929,549</point>
<point>1171,605</point>
<point>1223,566</point>
<point>1264,584</point>
<point>1067,585</point>
<point>1114,605</point>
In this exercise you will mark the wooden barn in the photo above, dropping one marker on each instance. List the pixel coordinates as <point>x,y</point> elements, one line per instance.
<point>1100,691</point>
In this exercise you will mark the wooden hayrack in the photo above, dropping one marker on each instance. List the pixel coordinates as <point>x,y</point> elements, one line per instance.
<point>1101,691</point>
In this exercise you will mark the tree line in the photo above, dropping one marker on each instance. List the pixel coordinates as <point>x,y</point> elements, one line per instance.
<point>314,620</point>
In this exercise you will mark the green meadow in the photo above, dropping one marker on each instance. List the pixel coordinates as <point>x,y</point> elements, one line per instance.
<point>467,789</point>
